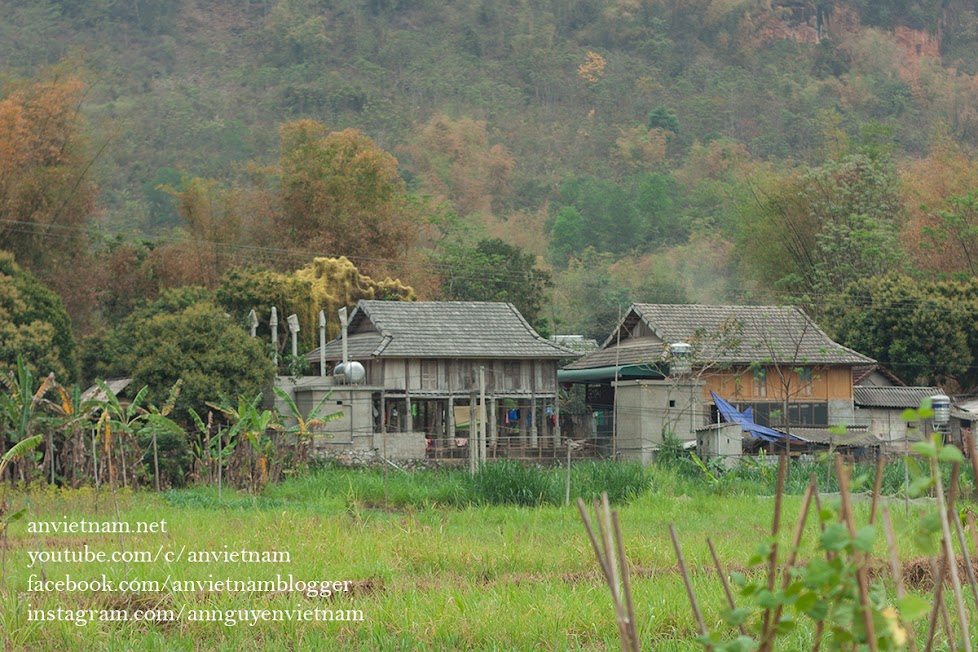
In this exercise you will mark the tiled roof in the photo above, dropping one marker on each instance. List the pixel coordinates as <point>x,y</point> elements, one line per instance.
<point>442,329</point>
<point>726,335</point>
<point>630,352</point>
<point>861,373</point>
<point>747,333</point>
<point>891,397</point>
<point>577,343</point>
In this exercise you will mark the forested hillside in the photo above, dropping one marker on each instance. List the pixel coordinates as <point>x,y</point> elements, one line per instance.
<point>571,156</point>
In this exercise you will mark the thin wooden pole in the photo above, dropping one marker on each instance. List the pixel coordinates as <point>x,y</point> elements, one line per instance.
<point>862,576</point>
<point>567,485</point>
<point>220,463</point>
<point>689,586</point>
<point>723,580</point>
<point>949,552</point>
<point>482,415</point>
<point>897,574</point>
<point>877,485</point>
<point>156,463</point>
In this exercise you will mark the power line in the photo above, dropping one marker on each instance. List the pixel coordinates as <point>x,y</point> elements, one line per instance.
<point>249,253</point>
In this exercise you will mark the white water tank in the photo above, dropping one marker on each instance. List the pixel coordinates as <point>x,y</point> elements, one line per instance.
<point>941,405</point>
<point>679,359</point>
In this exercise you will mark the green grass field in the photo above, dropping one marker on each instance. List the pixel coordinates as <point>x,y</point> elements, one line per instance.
<point>431,562</point>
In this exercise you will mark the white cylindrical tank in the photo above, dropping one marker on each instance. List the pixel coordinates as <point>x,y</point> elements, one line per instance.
<point>941,404</point>
<point>679,362</point>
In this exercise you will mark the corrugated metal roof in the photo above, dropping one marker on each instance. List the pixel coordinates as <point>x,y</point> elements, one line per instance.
<point>965,407</point>
<point>442,329</point>
<point>859,437</point>
<point>891,397</point>
<point>95,393</point>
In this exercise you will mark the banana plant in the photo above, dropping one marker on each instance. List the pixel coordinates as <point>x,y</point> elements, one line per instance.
<point>219,448</point>
<point>121,419</point>
<point>245,418</point>
<point>158,420</point>
<point>19,449</point>
<point>304,428</point>
<point>258,423</point>
<point>70,413</point>
<point>19,403</point>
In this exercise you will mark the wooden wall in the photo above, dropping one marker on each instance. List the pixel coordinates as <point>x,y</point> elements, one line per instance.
<point>827,384</point>
<point>462,376</point>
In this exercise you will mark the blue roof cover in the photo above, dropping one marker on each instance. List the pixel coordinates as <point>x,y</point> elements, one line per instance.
<point>730,414</point>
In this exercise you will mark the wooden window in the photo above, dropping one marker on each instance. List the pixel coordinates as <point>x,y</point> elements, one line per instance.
<point>429,374</point>
<point>760,383</point>
<point>805,386</point>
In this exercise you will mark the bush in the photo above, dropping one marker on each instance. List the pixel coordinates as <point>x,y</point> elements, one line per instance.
<point>507,482</point>
<point>622,480</point>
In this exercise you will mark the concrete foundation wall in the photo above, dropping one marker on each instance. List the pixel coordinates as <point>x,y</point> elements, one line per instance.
<point>841,412</point>
<point>885,424</point>
<point>353,438</point>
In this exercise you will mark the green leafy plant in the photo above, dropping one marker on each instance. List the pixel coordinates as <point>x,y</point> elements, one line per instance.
<point>303,428</point>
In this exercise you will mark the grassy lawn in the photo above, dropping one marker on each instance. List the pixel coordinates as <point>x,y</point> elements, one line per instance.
<point>430,569</point>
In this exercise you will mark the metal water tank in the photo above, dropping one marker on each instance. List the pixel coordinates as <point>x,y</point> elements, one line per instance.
<point>350,373</point>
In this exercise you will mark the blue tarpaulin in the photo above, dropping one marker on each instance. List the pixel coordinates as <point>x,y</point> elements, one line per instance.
<point>730,414</point>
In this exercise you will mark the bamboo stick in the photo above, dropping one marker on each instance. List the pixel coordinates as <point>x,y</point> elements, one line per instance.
<point>877,485</point>
<point>723,580</point>
<point>767,630</point>
<point>897,574</point>
<point>686,581</point>
<point>861,574</point>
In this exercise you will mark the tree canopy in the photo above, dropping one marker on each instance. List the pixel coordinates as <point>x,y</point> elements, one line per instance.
<point>492,270</point>
<point>199,344</point>
<point>34,324</point>
<point>325,284</point>
<point>925,332</point>
<point>341,193</point>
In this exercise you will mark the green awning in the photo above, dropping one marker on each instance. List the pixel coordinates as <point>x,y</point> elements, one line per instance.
<point>607,374</point>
